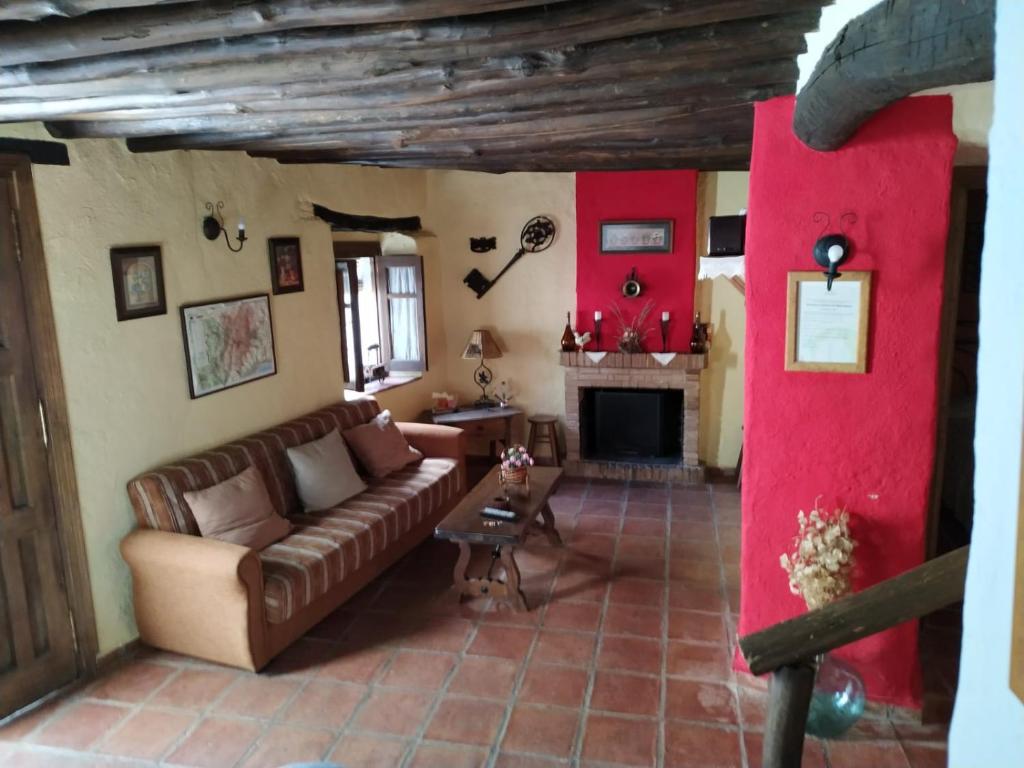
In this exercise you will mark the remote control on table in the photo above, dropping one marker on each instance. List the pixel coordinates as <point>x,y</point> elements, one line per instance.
<point>499,514</point>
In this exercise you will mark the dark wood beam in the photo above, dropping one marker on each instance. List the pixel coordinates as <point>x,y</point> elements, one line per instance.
<point>638,63</point>
<point>39,152</point>
<point>529,39</point>
<point>34,10</point>
<point>911,595</point>
<point>732,158</point>
<point>893,50</point>
<point>689,93</point>
<point>132,29</point>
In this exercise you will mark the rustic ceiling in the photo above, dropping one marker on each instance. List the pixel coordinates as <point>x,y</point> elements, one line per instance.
<point>490,85</point>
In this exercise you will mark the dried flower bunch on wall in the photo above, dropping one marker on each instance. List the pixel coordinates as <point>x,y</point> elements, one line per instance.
<point>821,566</point>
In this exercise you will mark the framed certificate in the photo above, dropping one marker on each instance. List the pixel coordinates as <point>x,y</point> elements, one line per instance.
<point>827,330</point>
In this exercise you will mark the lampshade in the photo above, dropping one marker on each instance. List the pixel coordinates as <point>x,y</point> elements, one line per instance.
<point>481,345</point>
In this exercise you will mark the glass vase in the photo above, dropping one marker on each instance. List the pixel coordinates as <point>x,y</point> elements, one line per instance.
<point>838,699</point>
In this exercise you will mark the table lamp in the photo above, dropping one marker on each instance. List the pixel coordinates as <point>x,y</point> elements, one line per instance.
<point>481,346</point>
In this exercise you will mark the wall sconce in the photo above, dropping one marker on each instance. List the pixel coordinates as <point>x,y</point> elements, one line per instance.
<point>832,250</point>
<point>213,226</point>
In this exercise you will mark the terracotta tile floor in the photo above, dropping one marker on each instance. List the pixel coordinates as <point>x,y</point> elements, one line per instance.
<point>624,661</point>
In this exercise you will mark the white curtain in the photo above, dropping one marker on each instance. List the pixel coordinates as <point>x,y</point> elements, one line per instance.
<point>405,332</point>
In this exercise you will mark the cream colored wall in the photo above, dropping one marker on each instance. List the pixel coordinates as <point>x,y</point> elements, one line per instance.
<point>526,309</point>
<point>721,303</point>
<point>126,382</point>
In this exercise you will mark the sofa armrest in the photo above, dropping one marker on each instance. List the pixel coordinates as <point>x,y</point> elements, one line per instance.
<point>198,597</point>
<point>437,441</point>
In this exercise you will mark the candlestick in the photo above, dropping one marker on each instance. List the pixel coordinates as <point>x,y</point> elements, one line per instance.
<point>664,331</point>
<point>597,331</point>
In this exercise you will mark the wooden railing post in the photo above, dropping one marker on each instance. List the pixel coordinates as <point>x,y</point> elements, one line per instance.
<point>789,699</point>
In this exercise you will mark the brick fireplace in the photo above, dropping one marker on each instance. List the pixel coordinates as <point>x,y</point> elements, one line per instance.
<point>620,371</point>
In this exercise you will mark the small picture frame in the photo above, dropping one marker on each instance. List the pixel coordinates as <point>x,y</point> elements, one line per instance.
<point>649,236</point>
<point>285,265</point>
<point>138,274</point>
<point>827,330</point>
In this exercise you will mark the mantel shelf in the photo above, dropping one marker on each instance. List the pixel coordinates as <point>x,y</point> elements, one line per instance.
<point>681,362</point>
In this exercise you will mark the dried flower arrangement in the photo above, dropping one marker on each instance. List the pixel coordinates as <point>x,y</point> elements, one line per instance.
<point>822,564</point>
<point>632,333</point>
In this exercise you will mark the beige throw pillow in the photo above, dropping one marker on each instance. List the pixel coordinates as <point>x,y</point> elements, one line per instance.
<point>238,510</point>
<point>324,473</point>
<point>380,446</point>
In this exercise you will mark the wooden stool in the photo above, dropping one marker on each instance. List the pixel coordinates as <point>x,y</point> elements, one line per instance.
<point>544,429</point>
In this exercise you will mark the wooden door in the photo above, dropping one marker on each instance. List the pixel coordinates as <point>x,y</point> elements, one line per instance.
<point>37,642</point>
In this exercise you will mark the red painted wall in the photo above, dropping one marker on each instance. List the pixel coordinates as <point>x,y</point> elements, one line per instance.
<point>863,441</point>
<point>667,278</point>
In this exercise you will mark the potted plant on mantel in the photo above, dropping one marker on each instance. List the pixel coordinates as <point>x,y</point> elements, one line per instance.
<point>820,571</point>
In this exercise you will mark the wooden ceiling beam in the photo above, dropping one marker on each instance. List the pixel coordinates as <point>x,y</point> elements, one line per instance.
<point>719,47</point>
<point>685,92</point>
<point>537,39</point>
<point>912,46</point>
<point>132,29</point>
<point>34,10</point>
<point>735,157</point>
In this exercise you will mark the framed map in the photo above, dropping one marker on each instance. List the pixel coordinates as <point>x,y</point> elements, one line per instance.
<point>228,343</point>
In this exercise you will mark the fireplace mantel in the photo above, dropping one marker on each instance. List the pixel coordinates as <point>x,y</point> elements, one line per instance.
<point>634,371</point>
<point>680,362</point>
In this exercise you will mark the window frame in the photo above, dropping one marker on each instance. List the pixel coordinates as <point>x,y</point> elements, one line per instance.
<point>384,296</point>
<point>345,255</point>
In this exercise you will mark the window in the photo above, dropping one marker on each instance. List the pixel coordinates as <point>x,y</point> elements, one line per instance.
<point>380,303</point>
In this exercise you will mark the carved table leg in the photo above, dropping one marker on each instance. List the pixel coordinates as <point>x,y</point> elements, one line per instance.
<point>548,527</point>
<point>513,594</point>
<point>461,566</point>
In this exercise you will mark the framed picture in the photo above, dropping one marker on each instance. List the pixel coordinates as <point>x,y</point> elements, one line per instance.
<point>285,265</point>
<point>636,236</point>
<point>227,343</point>
<point>827,330</point>
<point>138,281</point>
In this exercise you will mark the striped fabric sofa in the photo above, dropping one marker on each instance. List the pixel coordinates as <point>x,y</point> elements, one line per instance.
<point>237,606</point>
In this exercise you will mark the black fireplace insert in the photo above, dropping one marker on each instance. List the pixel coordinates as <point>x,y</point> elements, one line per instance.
<point>638,426</point>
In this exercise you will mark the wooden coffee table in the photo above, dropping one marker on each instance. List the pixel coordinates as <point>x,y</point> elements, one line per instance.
<point>465,526</point>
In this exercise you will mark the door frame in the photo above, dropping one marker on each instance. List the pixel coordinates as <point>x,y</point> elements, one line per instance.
<point>16,171</point>
<point>965,179</point>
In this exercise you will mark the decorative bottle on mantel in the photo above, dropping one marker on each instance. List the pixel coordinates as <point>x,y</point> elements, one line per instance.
<point>697,336</point>
<point>568,337</point>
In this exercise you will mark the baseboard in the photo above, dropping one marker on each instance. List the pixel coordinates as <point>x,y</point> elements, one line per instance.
<point>118,656</point>
<point>720,474</point>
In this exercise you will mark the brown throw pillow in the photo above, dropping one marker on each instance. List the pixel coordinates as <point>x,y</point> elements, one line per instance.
<point>380,446</point>
<point>238,510</point>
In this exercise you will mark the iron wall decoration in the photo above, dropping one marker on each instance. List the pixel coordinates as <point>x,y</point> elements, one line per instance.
<point>654,236</point>
<point>482,244</point>
<point>831,250</point>
<point>631,287</point>
<point>213,226</point>
<point>537,236</point>
<point>138,282</point>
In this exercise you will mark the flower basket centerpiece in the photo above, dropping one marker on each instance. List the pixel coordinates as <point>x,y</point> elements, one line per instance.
<point>515,469</point>
<point>820,571</point>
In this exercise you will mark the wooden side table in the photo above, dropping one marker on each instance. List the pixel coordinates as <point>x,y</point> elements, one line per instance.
<point>493,424</point>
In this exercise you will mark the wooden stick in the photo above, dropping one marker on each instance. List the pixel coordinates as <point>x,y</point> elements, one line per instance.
<point>911,595</point>
<point>789,699</point>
